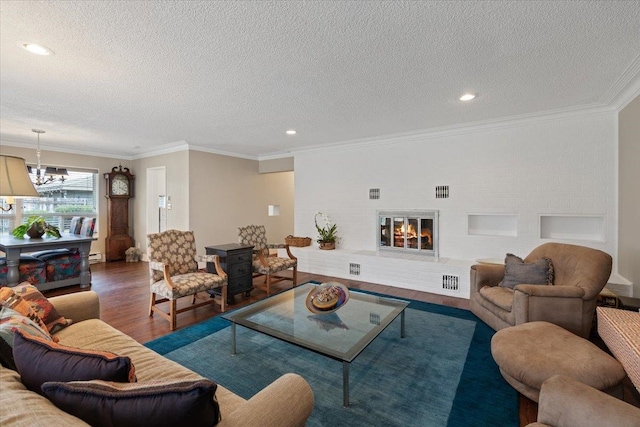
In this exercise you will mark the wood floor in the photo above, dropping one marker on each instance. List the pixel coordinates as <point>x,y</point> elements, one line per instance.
<point>124,304</point>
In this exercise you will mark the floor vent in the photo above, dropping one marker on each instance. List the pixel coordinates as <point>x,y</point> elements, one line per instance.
<point>374,193</point>
<point>354,269</point>
<point>442,192</point>
<point>450,283</point>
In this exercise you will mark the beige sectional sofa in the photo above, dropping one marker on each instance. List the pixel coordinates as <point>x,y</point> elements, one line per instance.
<point>288,401</point>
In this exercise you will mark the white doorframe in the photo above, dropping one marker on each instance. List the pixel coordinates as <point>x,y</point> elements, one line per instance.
<point>156,187</point>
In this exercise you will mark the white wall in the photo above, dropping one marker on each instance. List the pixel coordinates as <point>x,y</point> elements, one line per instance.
<point>629,177</point>
<point>557,166</point>
<point>177,176</point>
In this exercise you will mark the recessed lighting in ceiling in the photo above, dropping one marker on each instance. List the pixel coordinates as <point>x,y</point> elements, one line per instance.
<point>291,132</point>
<point>38,49</point>
<point>467,97</point>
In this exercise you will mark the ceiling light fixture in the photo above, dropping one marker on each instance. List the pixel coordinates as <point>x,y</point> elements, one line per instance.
<point>291,132</point>
<point>38,49</point>
<point>54,173</point>
<point>467,97</point>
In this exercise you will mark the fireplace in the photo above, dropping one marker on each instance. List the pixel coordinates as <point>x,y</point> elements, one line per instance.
<point>408,231</point>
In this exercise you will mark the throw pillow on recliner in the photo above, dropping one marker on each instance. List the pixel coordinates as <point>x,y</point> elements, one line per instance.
<point>518,272</point>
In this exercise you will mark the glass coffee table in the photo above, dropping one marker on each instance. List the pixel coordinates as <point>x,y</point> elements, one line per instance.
<point>340,335</point>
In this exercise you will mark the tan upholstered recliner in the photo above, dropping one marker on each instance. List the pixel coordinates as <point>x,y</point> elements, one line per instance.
<point>565,402</point>
<point>580,274</point>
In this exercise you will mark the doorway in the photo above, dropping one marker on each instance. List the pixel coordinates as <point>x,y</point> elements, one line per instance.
<point>156,199</point>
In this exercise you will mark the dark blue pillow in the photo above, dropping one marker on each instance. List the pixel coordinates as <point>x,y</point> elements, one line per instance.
<point>156,403</point>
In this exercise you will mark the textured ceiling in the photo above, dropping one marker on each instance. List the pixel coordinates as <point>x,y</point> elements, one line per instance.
<point>130,77</point>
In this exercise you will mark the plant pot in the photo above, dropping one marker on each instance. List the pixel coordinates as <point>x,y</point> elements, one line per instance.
<point>327,245</point>
<point>35,232</point>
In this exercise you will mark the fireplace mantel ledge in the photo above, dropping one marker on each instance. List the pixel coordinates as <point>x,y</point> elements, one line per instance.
<point>390,255</point>
<point>402,270</point>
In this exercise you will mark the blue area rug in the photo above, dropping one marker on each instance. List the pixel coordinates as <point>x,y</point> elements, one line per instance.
<point>440,374</point>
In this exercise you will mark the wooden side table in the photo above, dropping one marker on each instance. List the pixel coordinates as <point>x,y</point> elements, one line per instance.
<point>628,303</point>
<point>608,298</point>
<point>235,260</point>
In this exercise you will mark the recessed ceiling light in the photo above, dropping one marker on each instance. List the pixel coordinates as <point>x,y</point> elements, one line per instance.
<point>291,132</point>
<point>467,97</point>
<point>38,49</point>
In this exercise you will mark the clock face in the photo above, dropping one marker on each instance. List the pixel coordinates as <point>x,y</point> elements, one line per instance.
<point>120,186</point>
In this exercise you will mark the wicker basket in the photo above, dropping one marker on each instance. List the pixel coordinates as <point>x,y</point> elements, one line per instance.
<point>297,241</point>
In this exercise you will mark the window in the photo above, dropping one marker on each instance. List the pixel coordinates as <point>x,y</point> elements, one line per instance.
<point>58,202</point>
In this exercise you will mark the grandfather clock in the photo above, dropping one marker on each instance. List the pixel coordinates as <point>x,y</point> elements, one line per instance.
<point>119,191</point>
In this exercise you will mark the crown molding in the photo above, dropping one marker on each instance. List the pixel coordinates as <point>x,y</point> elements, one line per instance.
<point>10,143</point>
<point>275,156</point>
<point>629,95</point>
<point>221,152</point>
<point>184,145</point>
<point>172,147</point>
<point>473,127</point>
<point>625,88</point>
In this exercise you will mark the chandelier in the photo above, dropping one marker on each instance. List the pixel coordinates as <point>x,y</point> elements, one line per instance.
<point>50,174</point>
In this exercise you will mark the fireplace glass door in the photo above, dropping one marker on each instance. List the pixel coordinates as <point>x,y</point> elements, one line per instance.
<point>411,232</point>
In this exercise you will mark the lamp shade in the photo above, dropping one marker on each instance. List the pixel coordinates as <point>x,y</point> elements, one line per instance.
<point>14,179</point>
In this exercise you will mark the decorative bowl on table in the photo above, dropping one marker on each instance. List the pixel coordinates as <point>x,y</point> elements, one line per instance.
<point>327,297</point>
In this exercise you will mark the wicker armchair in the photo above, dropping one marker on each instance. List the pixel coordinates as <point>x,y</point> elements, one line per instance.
<point>174,273</point>
<point>263,263</point>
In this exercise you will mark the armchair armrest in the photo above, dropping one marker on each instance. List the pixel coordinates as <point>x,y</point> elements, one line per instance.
<point>215,259</point>
<point>276,245</point>
<point>565,401</point>
<point>281,246</point>
<point>485,275</point>
<point>155,265</point>
<point>78,306</point>
<point>560,305</point>
<point>286,402</point>
<point>556,291</point>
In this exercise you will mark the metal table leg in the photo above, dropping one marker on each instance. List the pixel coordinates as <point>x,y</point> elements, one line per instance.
<point>233,337</point>
<point>402,324</point>
<point>345,384</point>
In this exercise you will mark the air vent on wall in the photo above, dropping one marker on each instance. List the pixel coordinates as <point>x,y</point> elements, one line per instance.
<point>449,282</point>
<point>354,269</point>
<point>442,192</point>
<point>94,258</point>
<point>374,193</point>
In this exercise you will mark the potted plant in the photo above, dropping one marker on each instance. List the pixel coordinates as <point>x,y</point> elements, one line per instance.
<point>328,234</point>
<point>35,227</point>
